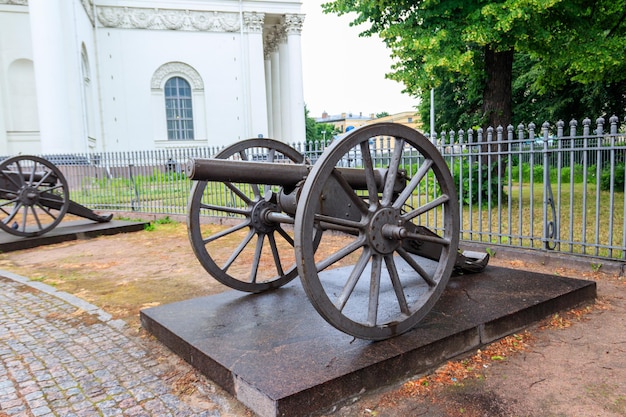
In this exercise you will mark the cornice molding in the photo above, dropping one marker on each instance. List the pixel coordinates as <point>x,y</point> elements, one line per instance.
<point>167,19</point>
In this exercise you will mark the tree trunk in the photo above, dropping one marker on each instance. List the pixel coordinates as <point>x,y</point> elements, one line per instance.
<point>498,92</point>
<point>497,103</point>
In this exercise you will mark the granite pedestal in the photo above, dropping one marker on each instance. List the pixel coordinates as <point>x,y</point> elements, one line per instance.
<point>69,230</point>
<point>276,355</point>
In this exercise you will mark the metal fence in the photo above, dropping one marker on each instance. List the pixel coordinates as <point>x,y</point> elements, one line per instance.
<point>553,188</point>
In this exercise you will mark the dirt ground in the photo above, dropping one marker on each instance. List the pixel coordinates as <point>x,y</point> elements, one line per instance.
<point>571,364</point>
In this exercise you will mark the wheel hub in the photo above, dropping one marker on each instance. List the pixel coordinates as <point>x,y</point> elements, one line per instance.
<point>380,231</point>
<point>258,219</point>
<point>29,196</point>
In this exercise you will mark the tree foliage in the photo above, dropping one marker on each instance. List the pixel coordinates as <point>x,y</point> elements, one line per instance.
<point>475,51</point>
<point>317,131</point>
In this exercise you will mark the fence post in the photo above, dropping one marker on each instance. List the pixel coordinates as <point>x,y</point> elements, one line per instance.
<point>549,211</point>
<point>510,137</point>
<point>624,226</point>
<point>613,129</point>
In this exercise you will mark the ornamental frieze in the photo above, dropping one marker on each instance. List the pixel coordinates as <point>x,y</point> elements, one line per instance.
<point>17,2</point>
<point>167,19</point>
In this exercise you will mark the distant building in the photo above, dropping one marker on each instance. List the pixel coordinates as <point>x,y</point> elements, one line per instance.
<point>345,122</point>
<point>117,75</point>
<point>407,118</point>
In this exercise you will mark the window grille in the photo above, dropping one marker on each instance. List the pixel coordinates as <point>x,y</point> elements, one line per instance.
<point>179,110</point>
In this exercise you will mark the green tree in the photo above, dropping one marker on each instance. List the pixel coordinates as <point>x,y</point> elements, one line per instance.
<point>468,46</point>
<point>458,103</point>
<point>317,131</point>
<point>382,114</point>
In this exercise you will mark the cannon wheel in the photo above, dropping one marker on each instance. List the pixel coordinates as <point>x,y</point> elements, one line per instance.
<point>34,196</point>
<point>252,254</point>
<point>378,289</point>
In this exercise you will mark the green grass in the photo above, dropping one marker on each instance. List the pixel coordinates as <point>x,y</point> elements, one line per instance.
<point>516,223</point>
<point>577,222</point>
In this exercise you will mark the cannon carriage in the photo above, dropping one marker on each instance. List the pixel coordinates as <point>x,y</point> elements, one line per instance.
<point>373,242</point>
<point>34,197</point>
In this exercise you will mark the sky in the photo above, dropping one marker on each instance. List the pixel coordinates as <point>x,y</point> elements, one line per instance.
<point>345,73</point>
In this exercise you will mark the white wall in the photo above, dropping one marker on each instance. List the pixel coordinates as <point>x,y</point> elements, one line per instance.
<point>19,125</point>
<point>128,60</point>
<point>111,105</point>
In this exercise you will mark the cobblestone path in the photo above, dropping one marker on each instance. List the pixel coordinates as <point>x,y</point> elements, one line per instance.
<point>60,356</point>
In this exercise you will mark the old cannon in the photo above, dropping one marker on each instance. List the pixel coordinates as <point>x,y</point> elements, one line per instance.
<point>373,237</point>
<point>34,197</point>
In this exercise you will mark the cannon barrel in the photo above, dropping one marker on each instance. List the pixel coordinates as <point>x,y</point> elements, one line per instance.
<point>271,173</point>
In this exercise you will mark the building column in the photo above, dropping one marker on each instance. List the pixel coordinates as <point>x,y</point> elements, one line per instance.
<point>285,85</point>
<point>268,97</point>
<point>293,29</point>
<point>255,73</point>
<point>4,140</point>
<point>273,75</point>
<point>57,75</point>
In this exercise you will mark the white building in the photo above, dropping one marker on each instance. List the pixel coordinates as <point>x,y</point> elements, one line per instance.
<point>116,75</point>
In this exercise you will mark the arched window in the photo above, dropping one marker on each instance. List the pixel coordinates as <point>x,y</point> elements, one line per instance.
<point>179,112</point>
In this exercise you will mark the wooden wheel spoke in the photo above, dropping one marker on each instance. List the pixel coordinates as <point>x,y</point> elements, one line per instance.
<point>394,165</point>
<point>258,252</point>
<point>36,217</point>
<point>372,307</point>
<point>238,250</point>
<point>48,189</point>
<point>417,267</point>
<point>426,207</point>
<point>232,187</point>
<point>397,285</point>
<point>44,178</point>
<point>412,185</point>
<point>47,211</point>
<point>340,254</point>
<point>231,210</point>
<point>226,232</point>
<point>285,236</point>
<point>350,284</point>
<point>13,213</point>
<point>12,180</point>
<point>372,189</point>
<point>24,217</point>
<point>20,172</point>
<point>31,179</point>
<point>275,254</point>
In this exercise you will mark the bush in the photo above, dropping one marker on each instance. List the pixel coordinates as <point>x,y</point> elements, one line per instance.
<point>618,178</point>
<point>478,181</point>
